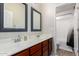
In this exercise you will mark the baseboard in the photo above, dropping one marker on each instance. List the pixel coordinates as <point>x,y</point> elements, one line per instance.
<point>66,48</point>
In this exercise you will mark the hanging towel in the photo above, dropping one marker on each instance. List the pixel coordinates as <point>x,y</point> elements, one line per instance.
<point>70,38</point>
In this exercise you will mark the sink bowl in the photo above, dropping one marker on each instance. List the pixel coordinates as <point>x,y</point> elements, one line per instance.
<point>7,41</point>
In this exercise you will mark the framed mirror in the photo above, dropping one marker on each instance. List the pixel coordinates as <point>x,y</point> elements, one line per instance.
<point>35,20</point>
<point>14,17</point>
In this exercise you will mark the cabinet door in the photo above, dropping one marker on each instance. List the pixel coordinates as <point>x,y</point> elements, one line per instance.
<point>22,53</point>
<point>38,53</point>
<point>45,51</point>
<point>45,48</point>
<point>50,46</point>
<point>45,43</point>
<point>35,48</point>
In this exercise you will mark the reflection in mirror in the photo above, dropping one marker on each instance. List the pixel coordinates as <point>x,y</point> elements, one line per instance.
<point>14,15</point>
<point>35,20</point>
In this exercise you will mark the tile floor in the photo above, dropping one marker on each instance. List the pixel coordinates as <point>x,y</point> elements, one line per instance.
<point>62,52</point>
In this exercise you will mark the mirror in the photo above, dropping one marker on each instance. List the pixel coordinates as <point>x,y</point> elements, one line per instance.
<point>14,17</point>
<point>35,20</point>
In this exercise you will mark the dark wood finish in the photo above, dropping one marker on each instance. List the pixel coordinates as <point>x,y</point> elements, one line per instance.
<point>45,43</point>
<point>50,46</point>
<point>38,53</point>
<point>35,48</point>
<point>22,53</point>
<point>45,48</point>
<point>45,53</point>
<point>42,49</point>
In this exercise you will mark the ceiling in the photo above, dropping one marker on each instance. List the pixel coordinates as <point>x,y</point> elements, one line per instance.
<point>65,7</point>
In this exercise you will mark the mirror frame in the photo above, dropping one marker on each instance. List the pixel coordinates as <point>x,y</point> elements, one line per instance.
<point>2,29</point>
<point>32,28</point>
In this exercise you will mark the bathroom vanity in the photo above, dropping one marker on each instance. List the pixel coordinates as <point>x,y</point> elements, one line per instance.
<point>33,46</point>
<point>14,18</point>
<point>41,49</point>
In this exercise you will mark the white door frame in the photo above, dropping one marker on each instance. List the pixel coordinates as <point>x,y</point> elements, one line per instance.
<point>76,11</point>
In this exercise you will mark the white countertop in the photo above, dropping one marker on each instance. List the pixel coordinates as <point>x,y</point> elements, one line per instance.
<point>12,48</point>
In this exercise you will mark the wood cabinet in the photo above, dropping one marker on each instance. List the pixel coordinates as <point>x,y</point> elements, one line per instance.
<point>41,49</point>
<point>45,48</point>
<point>50,46</point>
<point>22,53</point>
<point>45,43</point>
<point>35,49</point>
<point>45,53</point>
<point>38,53</point>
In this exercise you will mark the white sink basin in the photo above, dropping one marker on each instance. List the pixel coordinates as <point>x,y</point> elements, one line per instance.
<point>6,42</point>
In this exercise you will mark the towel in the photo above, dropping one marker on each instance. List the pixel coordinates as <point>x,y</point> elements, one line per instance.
<point>70,38</point>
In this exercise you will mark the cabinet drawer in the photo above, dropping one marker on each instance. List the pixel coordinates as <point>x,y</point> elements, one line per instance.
<point>38,53</point>
<point>35,48</point>
<point>22,53</point>
<point>45,43</point>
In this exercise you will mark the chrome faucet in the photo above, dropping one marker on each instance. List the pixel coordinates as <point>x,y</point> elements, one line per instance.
<point>18,39</point>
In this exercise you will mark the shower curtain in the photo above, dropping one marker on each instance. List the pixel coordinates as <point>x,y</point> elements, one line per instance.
<point>70,38</point>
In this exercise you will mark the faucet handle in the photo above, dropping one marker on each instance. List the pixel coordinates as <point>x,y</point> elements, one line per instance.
<point>18,39</point>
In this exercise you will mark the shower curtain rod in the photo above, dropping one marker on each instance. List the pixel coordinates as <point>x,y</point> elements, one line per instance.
<point>65,14</point>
